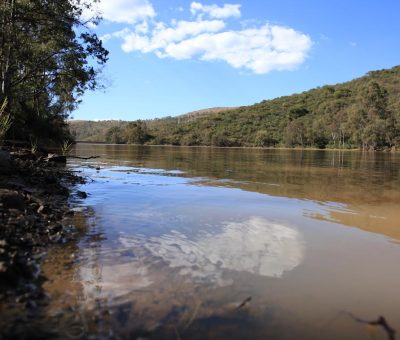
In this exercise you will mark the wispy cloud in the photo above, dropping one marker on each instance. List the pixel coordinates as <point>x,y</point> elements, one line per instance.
<point>162,36</point>
<point>260,48</point>
<point>214,11</point>
<point>121,11</point>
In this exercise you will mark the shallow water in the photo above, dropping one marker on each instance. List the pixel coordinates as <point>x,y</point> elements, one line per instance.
<point>239,243</point>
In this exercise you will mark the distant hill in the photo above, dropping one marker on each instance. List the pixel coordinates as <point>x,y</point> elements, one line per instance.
<point>364,112</point>
<point>95,131</point>
<point>205,112</point>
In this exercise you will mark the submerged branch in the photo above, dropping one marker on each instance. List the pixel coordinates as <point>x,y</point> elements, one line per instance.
<point>244,302</point>
<point>381,321</point>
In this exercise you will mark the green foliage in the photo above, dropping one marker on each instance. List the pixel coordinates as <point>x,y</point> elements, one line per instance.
<point>136,133</point>
<point>93,131</point>
<point>297,112</point>
<point>48,58</point>
<point>66,147</point>
<point>363,113</point>
<point>34,146</point>
<point>264,138</point>
<point>114,135</point>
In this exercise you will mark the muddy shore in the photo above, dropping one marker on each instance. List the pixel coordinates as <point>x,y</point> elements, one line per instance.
<point>34,215</point>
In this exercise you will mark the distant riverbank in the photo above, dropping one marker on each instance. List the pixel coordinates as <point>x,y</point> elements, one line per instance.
<point>243,147</point>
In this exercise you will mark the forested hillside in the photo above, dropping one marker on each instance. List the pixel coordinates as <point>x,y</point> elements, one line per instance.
<point>113,130</point>
<point>96,131</point>
<point>196,114</point>
<point>362,113</point>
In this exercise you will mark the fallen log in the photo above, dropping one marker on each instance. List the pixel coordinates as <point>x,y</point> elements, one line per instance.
<point>77,157</point>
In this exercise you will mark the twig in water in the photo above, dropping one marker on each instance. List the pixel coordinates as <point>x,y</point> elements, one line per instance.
<point>381,321</point>
<point>245,302</point>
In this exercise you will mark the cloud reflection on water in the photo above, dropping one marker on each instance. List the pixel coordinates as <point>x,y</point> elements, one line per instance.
<point>253,246</point>
<point>256,246</point>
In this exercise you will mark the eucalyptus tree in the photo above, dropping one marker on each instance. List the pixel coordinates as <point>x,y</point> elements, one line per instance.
<point>48,58</point>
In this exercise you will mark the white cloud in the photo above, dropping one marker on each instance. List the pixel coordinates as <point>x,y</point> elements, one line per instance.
<point>260,49</point>
<point>118,34</point>
<point>162,36</point>
<point>215,11</point>
<point>121,11</point>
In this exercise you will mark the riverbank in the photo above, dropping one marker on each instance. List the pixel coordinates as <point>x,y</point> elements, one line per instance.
<point>34,214</point>
<point>392,150</point>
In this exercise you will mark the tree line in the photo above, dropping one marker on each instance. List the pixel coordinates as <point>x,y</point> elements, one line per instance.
<point>48,58</point>
<point>363,113</point>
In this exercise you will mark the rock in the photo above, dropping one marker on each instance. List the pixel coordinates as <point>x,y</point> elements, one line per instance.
<point>5,163</point>
<point>50,179</point>
<point>31,304</point>
<point>43,209</point>
<point>56,228</point>
<point>13,200</point>
<point>51,157</point>
<point>56,237</point>
<point>82,194</point>
<point>3,267</point>
<point>34,193</point>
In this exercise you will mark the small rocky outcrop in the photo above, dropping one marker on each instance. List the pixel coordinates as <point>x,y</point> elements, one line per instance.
<point>34,214</point>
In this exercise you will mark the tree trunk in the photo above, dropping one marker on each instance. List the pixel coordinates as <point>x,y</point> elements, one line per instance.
<point>6,50</point>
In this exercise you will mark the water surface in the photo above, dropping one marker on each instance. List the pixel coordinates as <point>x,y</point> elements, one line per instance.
<point>239,243</point>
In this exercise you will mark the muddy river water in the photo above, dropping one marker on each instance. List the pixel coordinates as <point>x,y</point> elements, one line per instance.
<point>197,243</point>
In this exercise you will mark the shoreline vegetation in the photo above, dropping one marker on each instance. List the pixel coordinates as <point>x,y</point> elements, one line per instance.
<point>360,114</point>
<point>394,150</point>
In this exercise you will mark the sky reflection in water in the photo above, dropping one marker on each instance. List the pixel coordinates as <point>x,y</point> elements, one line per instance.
<point>204,249</point>
<point>201,229</point>
<point>256,246</point>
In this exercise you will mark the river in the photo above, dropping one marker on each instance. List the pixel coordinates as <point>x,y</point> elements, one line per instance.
<point>196,243</point>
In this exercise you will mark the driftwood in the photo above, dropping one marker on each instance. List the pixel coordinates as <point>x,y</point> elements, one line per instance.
<point>381,321</point>
<point>51,157</point>
<point>63,158</point>
<point>77,157</point>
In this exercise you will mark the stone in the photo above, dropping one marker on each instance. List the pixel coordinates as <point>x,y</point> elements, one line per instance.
<point>5,163</point>
<point>43,210</point>
<point>82,194</point>
<point>51,157</point>
<point>13,200</point>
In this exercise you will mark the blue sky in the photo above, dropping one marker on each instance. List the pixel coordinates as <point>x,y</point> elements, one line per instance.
<point>172,57</point>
